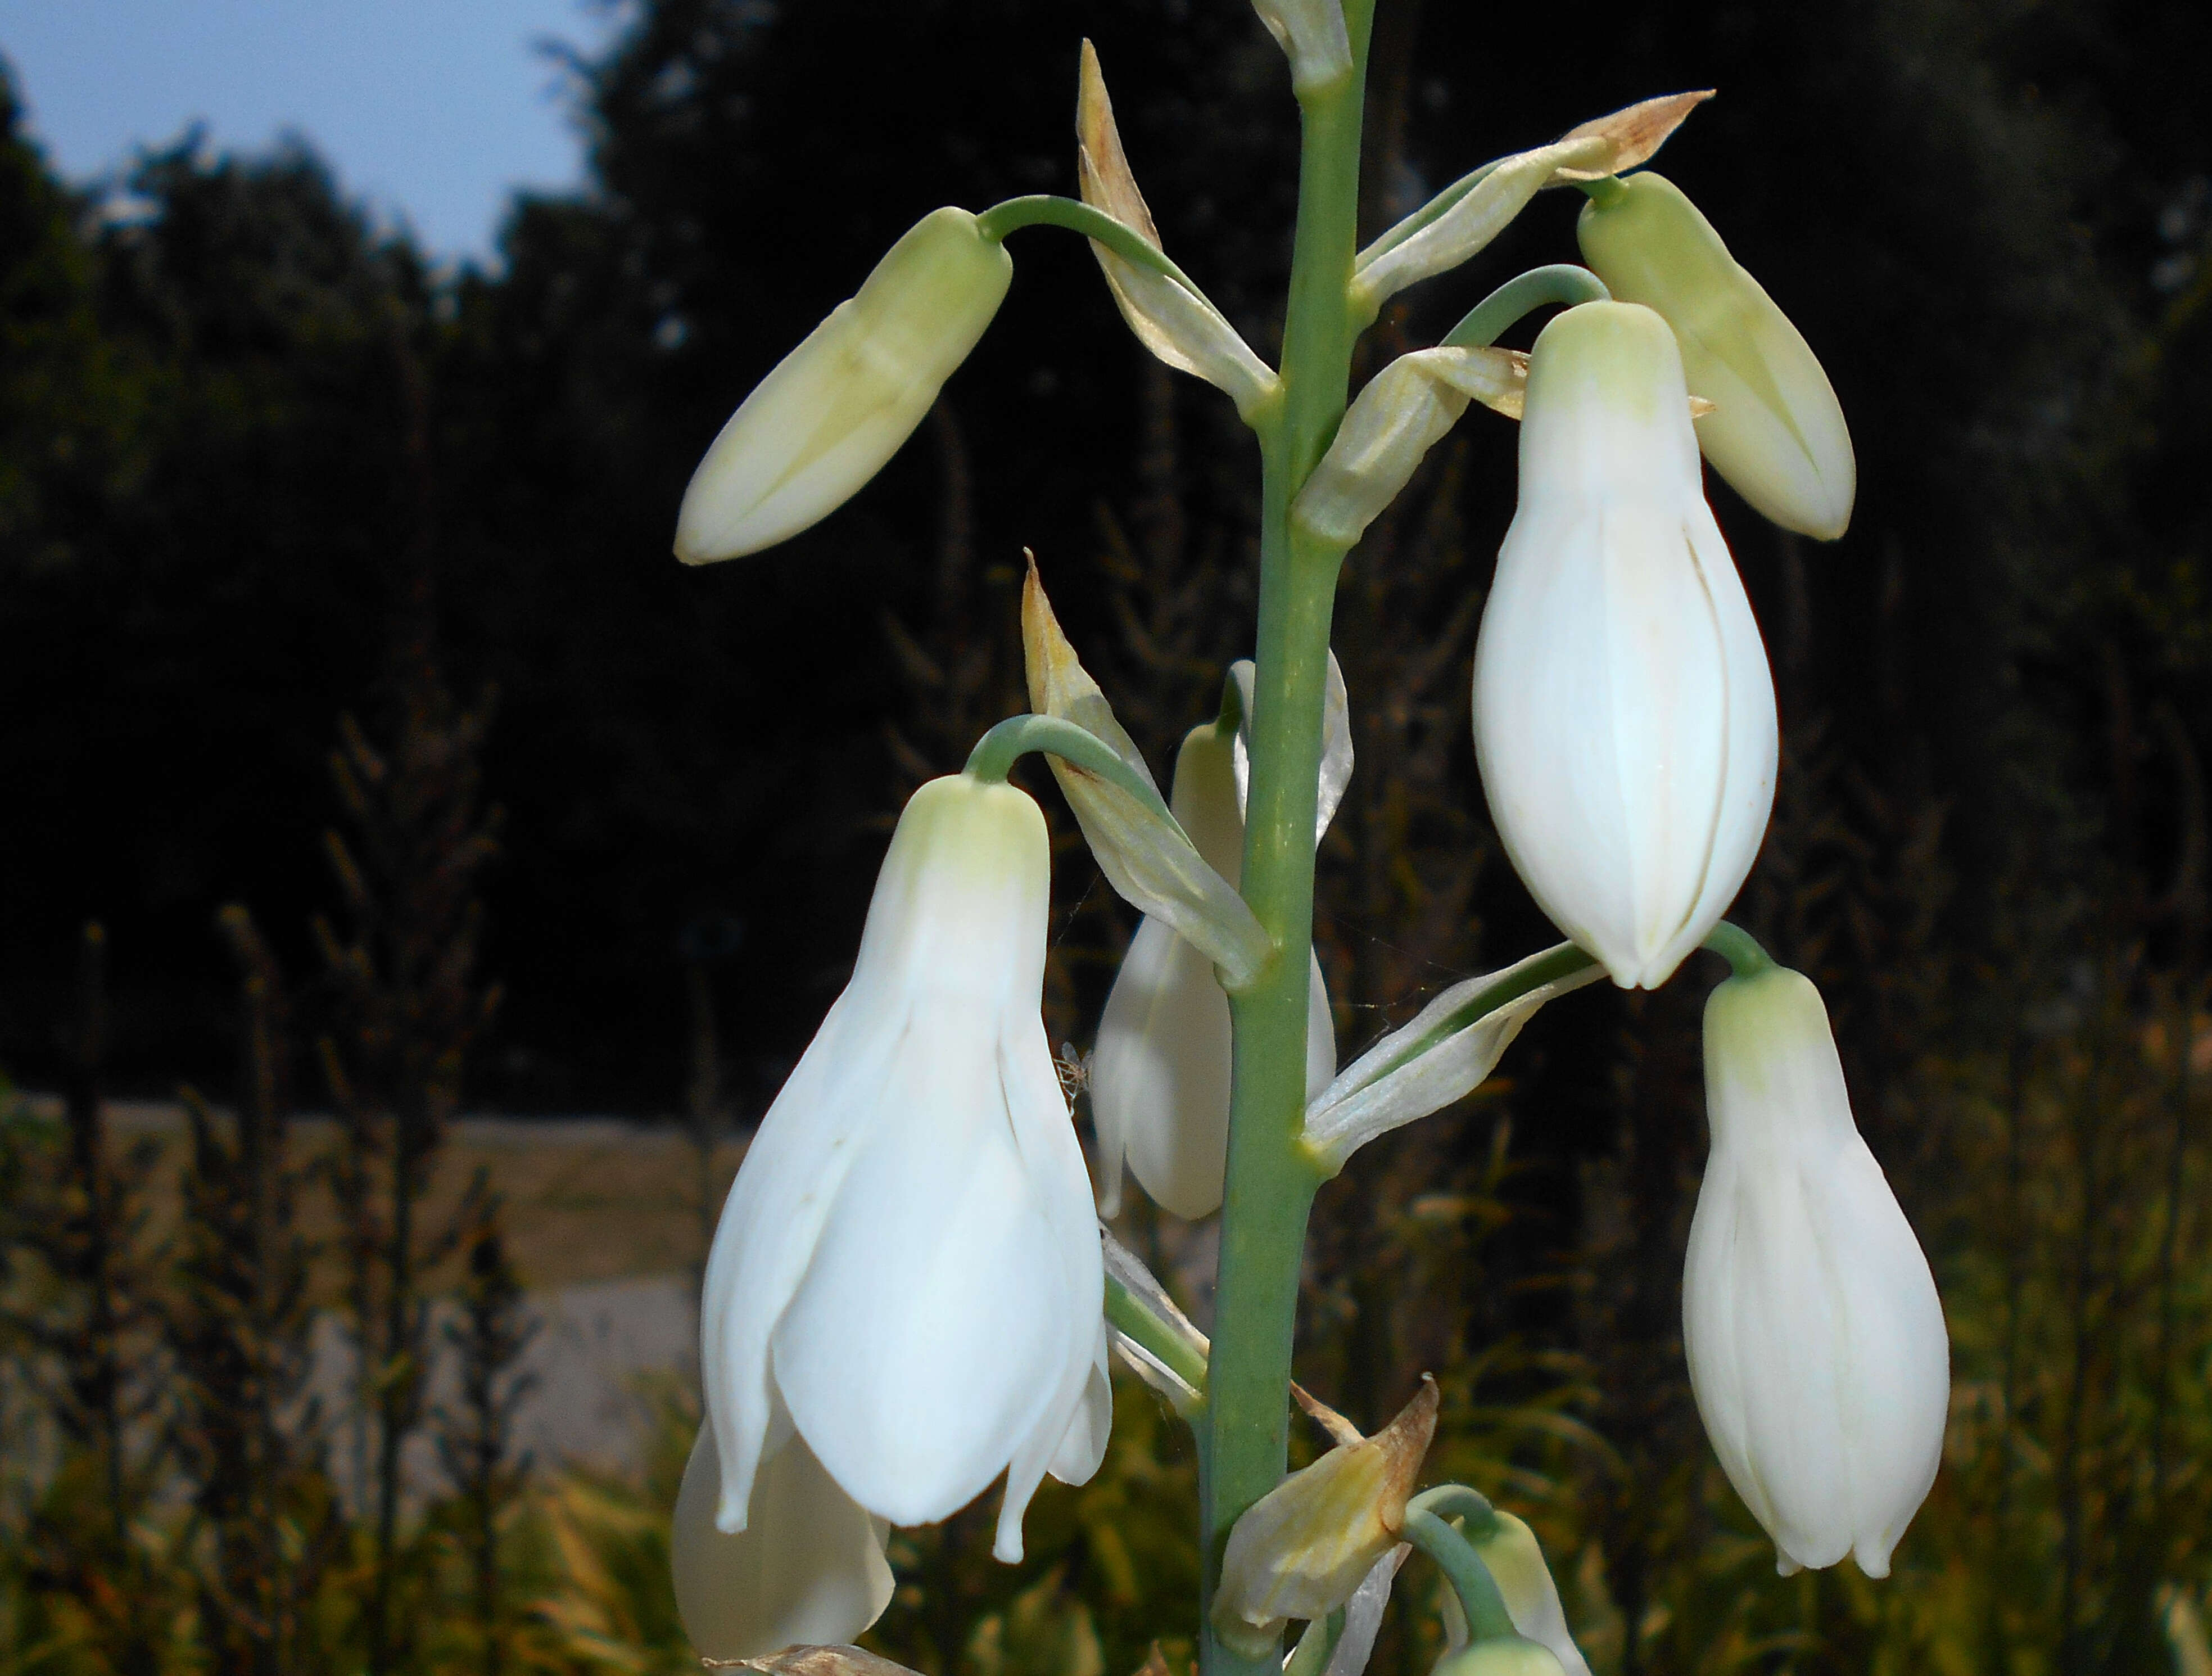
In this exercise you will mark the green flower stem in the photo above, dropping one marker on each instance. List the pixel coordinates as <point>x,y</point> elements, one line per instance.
<point>1741,949</point>
<point>1045,209</point>
<point>1271,1181</point>
<point>1129,1314</point>
<point>1562,282</point>
<point>996,753</point>
<point>1487,1617</point>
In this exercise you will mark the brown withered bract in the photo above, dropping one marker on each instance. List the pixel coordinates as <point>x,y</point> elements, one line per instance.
<point>815,1661</point>
<point>1632,135</point>
<point>1302,1549</point>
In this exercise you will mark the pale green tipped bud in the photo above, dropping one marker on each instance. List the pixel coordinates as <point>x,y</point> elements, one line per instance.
<point>838,407</point>
<point>1813,1329</point>
<point>1532,1599</point>
<point>1777,432</point>
<point>1507,1655</point>
<point>1302,1549</point>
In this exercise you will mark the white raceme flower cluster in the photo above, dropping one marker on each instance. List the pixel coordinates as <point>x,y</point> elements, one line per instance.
<point>904,1299</point>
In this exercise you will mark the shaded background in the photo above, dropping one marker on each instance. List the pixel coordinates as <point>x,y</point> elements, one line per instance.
<point>252,452</point>
<point>1988,219</point>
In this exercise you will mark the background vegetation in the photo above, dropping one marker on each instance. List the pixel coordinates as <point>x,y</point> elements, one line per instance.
<point>262,466</point>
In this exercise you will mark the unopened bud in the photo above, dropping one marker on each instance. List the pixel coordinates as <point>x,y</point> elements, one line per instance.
<point>838,407</point>
<point>1516,1565</point>
<point>1777,432</point>
<point>1301,1550</point>
<point>1810,1320</point>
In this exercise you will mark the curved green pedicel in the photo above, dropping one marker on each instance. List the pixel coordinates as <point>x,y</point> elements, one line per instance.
<point>1048,210</point>
<point>1739,949</point>
<point>1561,283</point>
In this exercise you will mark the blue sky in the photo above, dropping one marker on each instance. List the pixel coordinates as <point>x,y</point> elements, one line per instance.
<point>431,111</point>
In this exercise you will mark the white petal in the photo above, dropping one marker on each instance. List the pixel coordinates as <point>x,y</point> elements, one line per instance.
<point>1335,773</point>
<point>1159,1077</point>
<point>1055,1162</point>
<point>929,1329</point>
<point>1897,1393</point>
<point>1362,1616</point>
<point>1082,1448</point>
<point>809,1568</point>
<point>769,1225</point>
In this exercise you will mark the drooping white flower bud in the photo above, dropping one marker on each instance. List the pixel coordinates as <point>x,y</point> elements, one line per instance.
<point>808,1567</point>
<point>1159,1076</point>
<point>1777,432</point>
<point>1624,716</point>
<point>908,1259</point>
<point>1815,1338</point>
<point>836,409</point>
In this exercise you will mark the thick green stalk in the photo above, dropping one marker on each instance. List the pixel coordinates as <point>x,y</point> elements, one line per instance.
<point>1271,1180</point>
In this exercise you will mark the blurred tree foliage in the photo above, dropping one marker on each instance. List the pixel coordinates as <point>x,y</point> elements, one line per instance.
<point>1988,215</point>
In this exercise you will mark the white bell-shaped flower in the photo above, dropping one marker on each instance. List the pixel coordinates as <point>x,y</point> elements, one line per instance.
<point>1777,431</point>
<point>1159,1076</point>
<point>1815,1338</point>
<point>834,410</point>
<point>808,1569</point>
<point>908,1261</point>
<point>1624,716</point>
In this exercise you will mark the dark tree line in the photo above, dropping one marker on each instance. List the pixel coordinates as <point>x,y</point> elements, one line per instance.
<point>1986,218</point>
